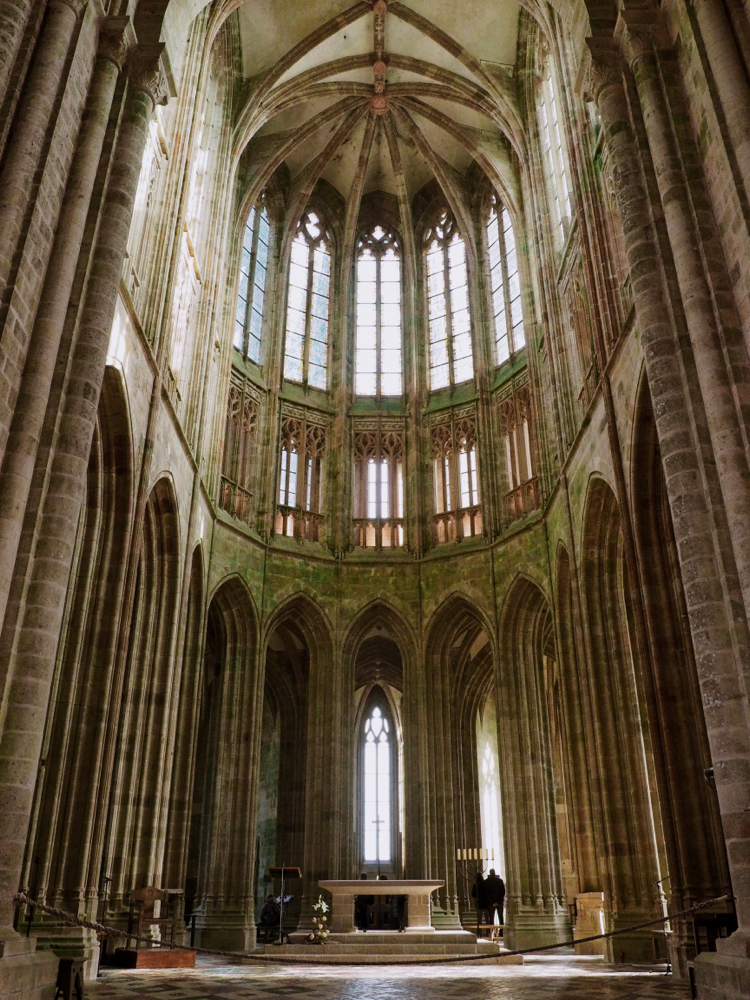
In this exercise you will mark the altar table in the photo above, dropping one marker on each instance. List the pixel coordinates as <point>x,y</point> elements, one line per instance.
<point>343,892</point>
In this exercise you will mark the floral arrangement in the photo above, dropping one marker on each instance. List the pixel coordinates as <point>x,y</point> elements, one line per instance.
<point>320,930</point>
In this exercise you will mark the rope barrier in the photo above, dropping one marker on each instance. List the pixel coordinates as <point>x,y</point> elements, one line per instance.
<point>116,932</point>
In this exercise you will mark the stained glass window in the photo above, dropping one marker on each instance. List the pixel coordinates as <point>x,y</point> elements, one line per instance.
<point>449,318</point>
<point>378,364</point>
<point>505,283</point>
<point>377,787</point>
<point>554,155</point>
<point>248,317</point>
<point>306,349</point>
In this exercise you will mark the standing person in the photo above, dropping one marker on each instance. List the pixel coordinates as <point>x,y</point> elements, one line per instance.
<point>479,892</point>
<point>495,891</point>
<point>360,907</point>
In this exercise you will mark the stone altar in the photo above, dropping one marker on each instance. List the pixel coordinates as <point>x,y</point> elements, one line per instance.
<point>343,892</point>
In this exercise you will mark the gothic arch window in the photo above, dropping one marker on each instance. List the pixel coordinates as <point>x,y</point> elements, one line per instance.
<point>379,344</point>
<point>306,348</point>
<point>449,318</point>
<point>515,426</point>
<point>301,479</point>
<point>248,318</point>
<point>553,151</point>
<point>379,782</point>
<point>505,282</point>
<point>456,471</point>
<point>379,489</point>
<point>241,420</point>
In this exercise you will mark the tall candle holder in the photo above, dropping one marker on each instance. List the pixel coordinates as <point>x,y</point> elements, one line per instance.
<point>470,862</point>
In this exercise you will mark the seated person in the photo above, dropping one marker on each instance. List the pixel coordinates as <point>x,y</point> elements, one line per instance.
<point>269,915</point>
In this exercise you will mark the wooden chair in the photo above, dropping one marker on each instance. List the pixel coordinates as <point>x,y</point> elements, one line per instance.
<point>142,911</point>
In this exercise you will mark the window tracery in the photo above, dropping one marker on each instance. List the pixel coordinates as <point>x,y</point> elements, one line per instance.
<point>306,347</point>
<point>378,760</point>
<point>553,149</point>
<point>303,446</point>
<point>379,346</point>
<point>449,316</point>
<point>505,283</point>
<point>515,427</point>
<point>236,472</point>
<point>379,489</point>
<point>248,318</point>
<point>456,473</point>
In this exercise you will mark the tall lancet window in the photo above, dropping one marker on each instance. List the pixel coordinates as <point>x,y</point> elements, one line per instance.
<point>306,349</point>
<point>451,360</point>
<point>378,369</point>
<point>378,760</point>
<point>553,150</point>
<point>505,283</point>
<point>248,317</point>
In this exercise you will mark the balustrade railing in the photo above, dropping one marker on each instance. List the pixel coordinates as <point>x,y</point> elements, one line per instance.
<point>522,500</point>
<point>453,525</point>
<point>379,532</point>
<point>304,525</point>
<point>234,500</point>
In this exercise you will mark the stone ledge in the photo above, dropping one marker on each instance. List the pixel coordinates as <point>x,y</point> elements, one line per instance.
<point>722,977</point>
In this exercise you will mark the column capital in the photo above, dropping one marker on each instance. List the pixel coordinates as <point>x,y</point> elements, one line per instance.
<point>147,73</point>
<point>77,6</point>
<point>640,33</point>
<point>605,68</point>
<point>116,39</point>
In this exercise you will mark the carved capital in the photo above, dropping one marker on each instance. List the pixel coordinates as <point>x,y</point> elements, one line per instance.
<point>605,69</point>
<point>116,39</point>
<point>641,33</point>
<point>146,72</point>
<point>77,6</point>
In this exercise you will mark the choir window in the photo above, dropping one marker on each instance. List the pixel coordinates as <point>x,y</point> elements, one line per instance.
<point>515,421</point>
<point>457,500</point>
<point>306,349</point>
<point>379,489</point>
<point>248,317</point>
<point>451,360</point>
<point>505,283</point>
<point>378,366</point>
<point>241,419</point>
<point>301,480</point>
<point>378,759</point>
<point>554,155</point>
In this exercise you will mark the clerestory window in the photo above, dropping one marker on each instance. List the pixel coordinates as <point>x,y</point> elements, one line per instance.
<point>451,358</point>
<point>555,161</point>
<point>248,317</point>
<point>306,347</point>
<point>379,344</point>
<point>505,283</point>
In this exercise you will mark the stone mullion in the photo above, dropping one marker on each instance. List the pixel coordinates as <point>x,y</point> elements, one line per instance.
<point>717,641</point>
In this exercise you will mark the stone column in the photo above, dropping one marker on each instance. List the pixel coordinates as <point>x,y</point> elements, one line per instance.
<point>32,666</point>
<point>720,642</point>
<point>21,450</point>
<point>31,123</point>
<point>729,75</point>
<point>14,15</point>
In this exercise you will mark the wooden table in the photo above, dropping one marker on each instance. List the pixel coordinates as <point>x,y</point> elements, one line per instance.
<point>343,892</point>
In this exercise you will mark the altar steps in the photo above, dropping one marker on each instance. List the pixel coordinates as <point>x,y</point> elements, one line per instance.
<point>380,947</point>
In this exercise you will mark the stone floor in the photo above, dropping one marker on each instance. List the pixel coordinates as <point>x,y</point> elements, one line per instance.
<point>557,978</point>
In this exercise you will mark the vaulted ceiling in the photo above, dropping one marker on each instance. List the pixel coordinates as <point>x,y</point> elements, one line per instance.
<point>379,97</point>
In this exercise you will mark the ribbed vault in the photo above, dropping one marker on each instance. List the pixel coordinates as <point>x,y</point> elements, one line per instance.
<point>336,92</point>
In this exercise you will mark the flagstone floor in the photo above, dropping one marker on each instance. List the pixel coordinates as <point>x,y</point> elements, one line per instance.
<point>568,978</point>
